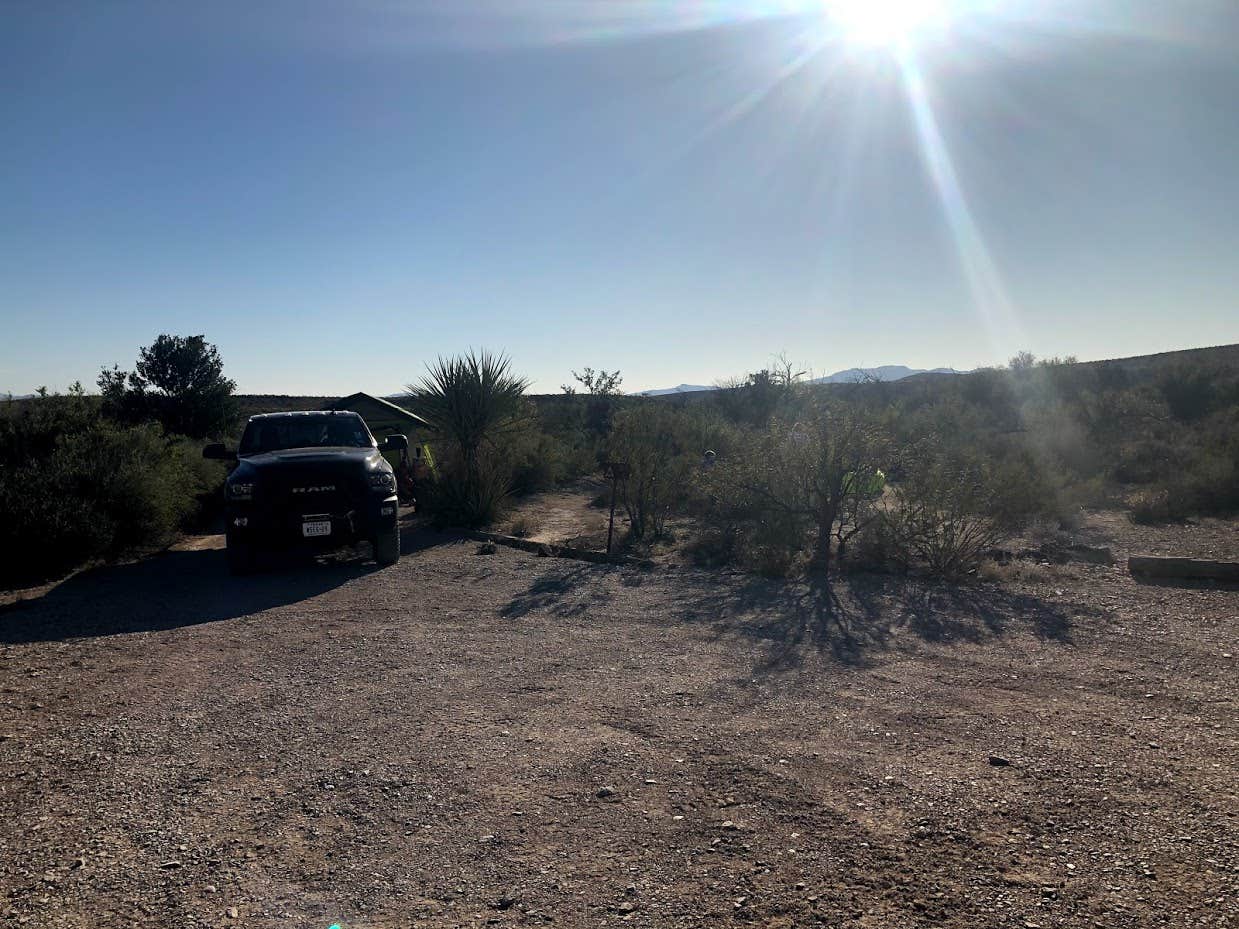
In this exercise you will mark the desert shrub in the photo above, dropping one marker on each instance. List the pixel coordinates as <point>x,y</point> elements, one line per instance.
<point>753,400</point>
<point>1192,392</point>
<point>1021,489</point>
<point>991,395</point>
<point>801,486</point>
<point>946,515</point>
<point>874,548</point>
<point>1152,506</point>
<point>651,440</point>
<point>475,403</point>
<point>1205,481</point>
<point>1056,435</point>
<point>203,482</point>
<point>565,418</point>
<point>1014,571</point>
<point>537,461</point>
<point>1145,460</point>
<point>1211,484</point>
<point>74,487</point>
<point>471,497</point>
<point>521,527</point>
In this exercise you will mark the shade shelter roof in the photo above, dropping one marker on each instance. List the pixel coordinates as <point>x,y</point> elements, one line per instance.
<point>382,416</point>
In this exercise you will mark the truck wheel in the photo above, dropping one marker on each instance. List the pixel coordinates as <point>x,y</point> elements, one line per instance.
<point>387,546</point>
<point>241,557</point>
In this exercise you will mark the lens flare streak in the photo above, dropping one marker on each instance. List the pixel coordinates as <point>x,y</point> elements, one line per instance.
<point>992,302</point>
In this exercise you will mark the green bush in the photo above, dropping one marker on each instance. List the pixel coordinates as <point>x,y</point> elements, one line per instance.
<point>1149,507</point>
<point>538,461</point>
<point>875,548</point>
<point>948,513</point>
<point>74,487</point>
<point>467,497</point>
<point>651,440</point>
<point>794,491</point>
<point>1192,392</point>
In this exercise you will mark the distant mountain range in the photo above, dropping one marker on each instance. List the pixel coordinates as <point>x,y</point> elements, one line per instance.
<point>681,389</point>
<point>881,373</point>
<point>849,376</point>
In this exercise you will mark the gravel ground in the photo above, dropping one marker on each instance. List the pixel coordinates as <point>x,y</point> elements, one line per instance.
<point>468,739</point>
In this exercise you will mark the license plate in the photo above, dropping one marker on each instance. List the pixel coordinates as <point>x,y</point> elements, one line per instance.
<point>316,528</point>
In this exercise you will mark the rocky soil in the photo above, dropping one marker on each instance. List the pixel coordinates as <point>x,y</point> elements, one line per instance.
<point>500,739</point>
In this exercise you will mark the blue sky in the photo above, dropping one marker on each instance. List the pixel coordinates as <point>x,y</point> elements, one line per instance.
<point>335,192</point>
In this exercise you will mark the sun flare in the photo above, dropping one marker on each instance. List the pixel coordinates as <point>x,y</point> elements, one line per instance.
<point>884,23</point>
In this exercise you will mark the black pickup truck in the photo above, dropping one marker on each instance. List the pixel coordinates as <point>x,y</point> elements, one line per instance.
<point>315,479</point>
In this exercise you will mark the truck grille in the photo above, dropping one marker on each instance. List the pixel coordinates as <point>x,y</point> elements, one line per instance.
<point>295,493</point>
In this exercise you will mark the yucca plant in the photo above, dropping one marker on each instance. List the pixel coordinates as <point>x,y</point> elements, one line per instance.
<point>469,400</point>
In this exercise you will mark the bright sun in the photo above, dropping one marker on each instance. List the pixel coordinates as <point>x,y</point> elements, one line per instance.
<point>884,23</point>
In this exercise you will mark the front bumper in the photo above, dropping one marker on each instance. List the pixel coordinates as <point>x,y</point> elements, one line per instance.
<point>264,526</point>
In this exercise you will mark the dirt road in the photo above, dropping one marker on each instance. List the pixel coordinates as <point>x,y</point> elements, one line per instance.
<point>468,739</point>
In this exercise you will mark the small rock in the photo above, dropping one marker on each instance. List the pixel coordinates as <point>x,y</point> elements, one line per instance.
<point>729,825</point>
<point>232,912</point>
<point>169,865</point>
<point>627,906</point>
<point>998,761</point>
<point>604,792</point>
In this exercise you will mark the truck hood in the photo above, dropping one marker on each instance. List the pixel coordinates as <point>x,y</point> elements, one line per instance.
<point>297,458</point>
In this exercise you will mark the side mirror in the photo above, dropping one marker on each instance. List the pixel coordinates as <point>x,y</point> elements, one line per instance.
<point>395,443</point>
<point>217,452</point>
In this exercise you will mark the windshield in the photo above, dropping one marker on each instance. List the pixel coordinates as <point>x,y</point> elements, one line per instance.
<point>277,433</point>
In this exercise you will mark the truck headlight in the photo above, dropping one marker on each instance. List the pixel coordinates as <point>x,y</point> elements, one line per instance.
<point>383,480</point>
<point>241,491</point>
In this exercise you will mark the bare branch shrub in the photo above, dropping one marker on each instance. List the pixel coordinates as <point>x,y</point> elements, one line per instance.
<point>649,439</point>
<point>945,514</point>
<point>814,479</point>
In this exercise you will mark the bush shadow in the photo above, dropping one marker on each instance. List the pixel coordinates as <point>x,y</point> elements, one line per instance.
<point>552,592</point>
<point>857,617</point>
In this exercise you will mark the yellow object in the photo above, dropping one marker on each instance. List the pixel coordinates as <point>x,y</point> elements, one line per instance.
<point>871,487</point>
<point>430,461</point>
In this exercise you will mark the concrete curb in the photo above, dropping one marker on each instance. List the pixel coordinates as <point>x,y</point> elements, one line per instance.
<point>550,550</point>
<point>1186,568</point>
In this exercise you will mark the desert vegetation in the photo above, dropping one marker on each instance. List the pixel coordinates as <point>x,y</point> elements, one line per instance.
<point>927,474</point>
<point>94,476</point>
<point>930,474</point>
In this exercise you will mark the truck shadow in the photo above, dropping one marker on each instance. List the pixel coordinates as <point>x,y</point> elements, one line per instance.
<point>185,588</point>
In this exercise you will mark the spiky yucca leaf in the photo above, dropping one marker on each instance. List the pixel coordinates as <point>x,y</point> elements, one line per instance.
<point>469,398</point>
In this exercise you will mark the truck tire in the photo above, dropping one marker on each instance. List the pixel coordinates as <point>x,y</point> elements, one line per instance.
<point>387,546</point>
<point>241,557</point>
